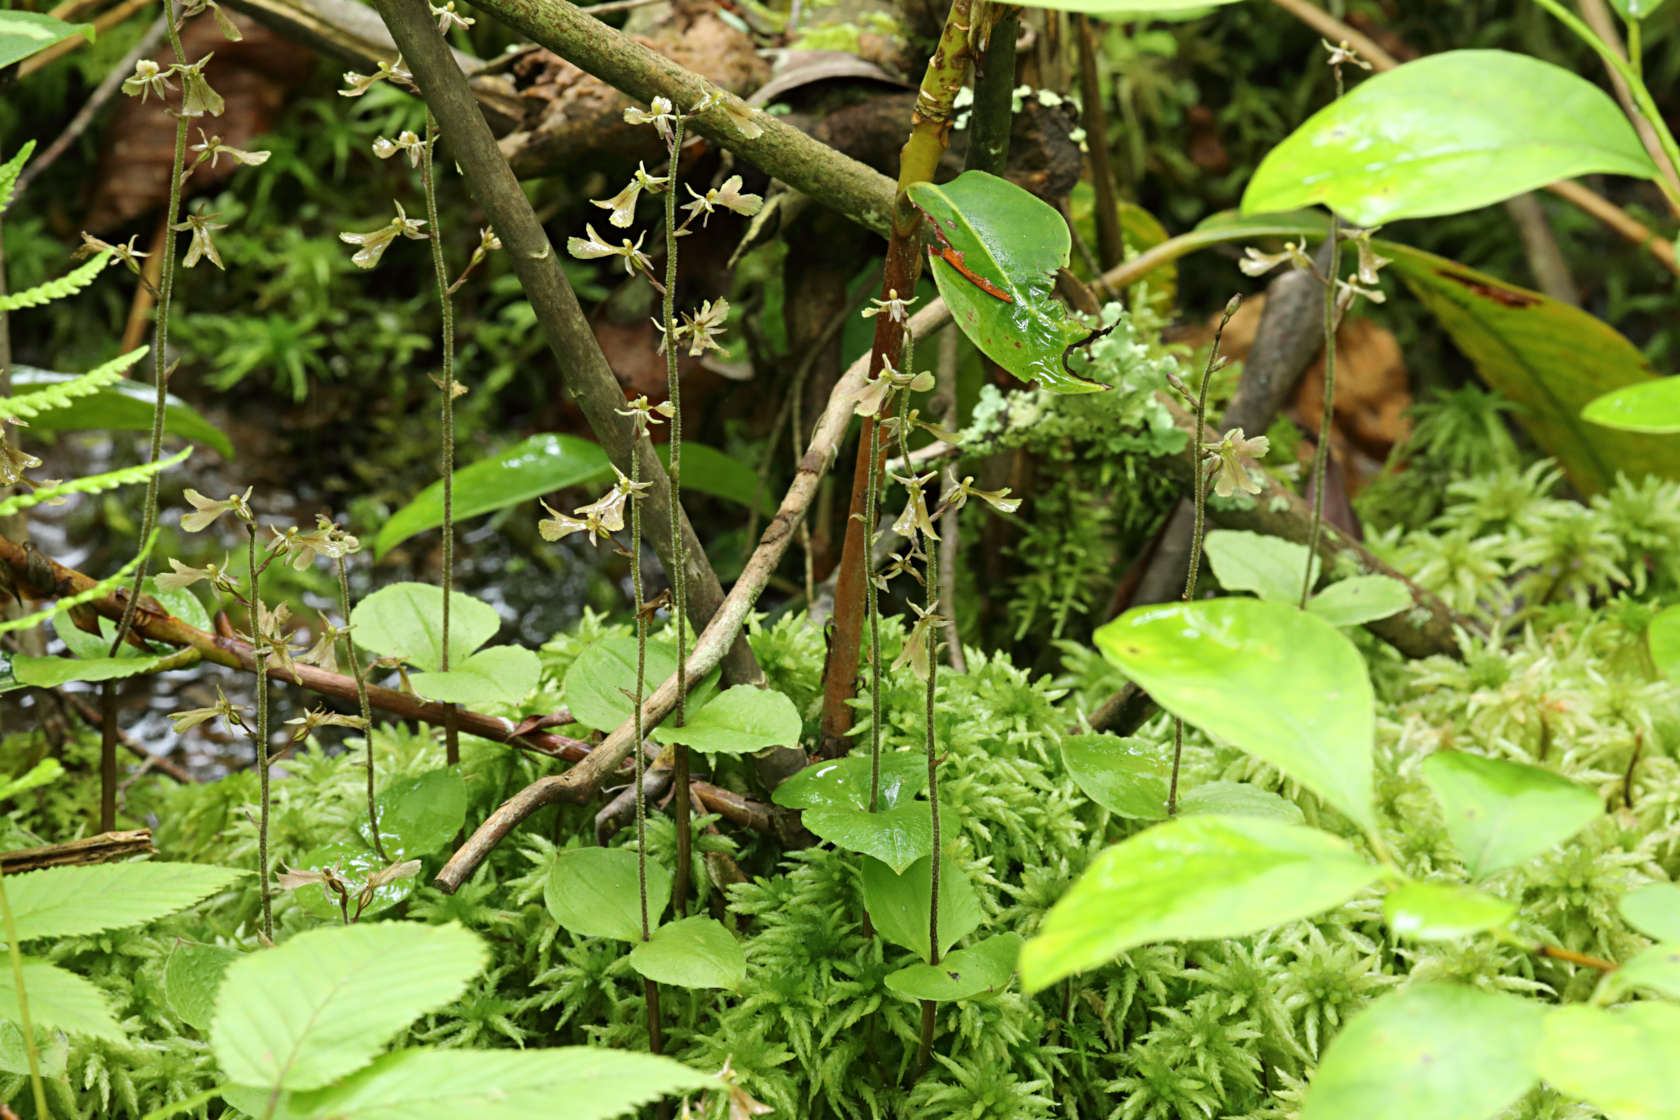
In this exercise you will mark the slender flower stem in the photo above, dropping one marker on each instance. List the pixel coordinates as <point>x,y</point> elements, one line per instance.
<point>650,990</point>
<point>873,605</point>
<point>259,654</point>
<point>679,583</point>
<point>1321,454</point>
<point>354,661</point>
<point>37,1087</point>
<point>446,308</point>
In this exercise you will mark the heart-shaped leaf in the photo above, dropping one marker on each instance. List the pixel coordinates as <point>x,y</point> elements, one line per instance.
<point>498,675</point>
<point>694,952</point>
<point>739,720</point>
<point>898,904</point>
<point>406,620</point>
<point>1360,599</point>
<point>1500,813</point>
<point>897,837</point>
<point>844,782</point>
<point>982,969</point>
<point>1128,777</point>
<point>1269,567</point>
<point>593,892</point>
<point>419,815</point>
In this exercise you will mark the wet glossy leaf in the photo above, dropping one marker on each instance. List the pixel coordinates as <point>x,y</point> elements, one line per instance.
<point>1652,407</point>
<point>1009,245</point>
<point>1127,777</point>
<point>192,976</point>
<point>1619,1061</point>
<point>1238,799</point>
<point>180,602</point>
<point>1360,599</point>
<point>982,969</point>
<point>1267,678</point>
<point>498,675</point>
<point>844,782</point>
<point>1440,1051</point>
<point>694,952</point>
<point>897,837</point>
<point>1189,879</point>
<point>25,33</point>
<point>739,720</point>
<point>898,904</point>
<point>126,406</point>
<point>1441,912</point>
<point>1656,969</point>
<point>593,892</point>
<point>406,620</point>
<point>1653,910</point>
<point>1447,133</point>
<point>1500,813</point>
<point>1663,637</point>
<point>419,815</point>
<point>1269,567</point>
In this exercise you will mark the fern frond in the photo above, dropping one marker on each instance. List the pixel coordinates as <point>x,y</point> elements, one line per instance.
<point>9,172</point>
<point>27,406</point>
<point>67,285</point>
<point>93,484</point>
<point>104,587</point>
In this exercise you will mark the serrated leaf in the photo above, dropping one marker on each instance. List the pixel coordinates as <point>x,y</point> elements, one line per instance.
<point>1268,567</point>
<point>75,901</point>
<point>497,675</point>
<point>982,969</point>
<point>1443,912</point>
<point>899,904</point>
<point>58,1000</point>
<point>1266,678</point>
<point>1653,910</point>
<point>1360,599</point>
<point>898,837</point>
<point>1501,813</point>
<point>25,33</point>
<point>90,484</point>
<point>695,952</point>
<point>191,978</point>
<point>59,394</point>
<point>406,620</point>
<point>1010,245</point>
<point>844,782</point>
<point>1128,777</point>
<point>1190,879</point>
<point>61,287</point>
<point>322,1004</point>
<point>593,892</point>
<point>1440,1051</point>
<point>1619,1061</point>
<point>1444,134</point>
<point>594,1083</point>
<point>739,720</point>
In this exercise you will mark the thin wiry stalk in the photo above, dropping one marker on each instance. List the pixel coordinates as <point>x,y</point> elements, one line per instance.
<point>37,1087</point>
<point>1200,497</point>
<point>259,656</point>
<point>354,662</point>
<point>872,604</point>
<point>1321,454</point>
<point>160,345</point>
<point>446,308</point>
<point>679,584</point>
<point>650,990</point>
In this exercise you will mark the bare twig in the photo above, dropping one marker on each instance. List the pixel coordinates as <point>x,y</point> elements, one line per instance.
<point>103,848</point>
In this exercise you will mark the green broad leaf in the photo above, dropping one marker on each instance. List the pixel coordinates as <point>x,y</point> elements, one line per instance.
<point>52,1047</point>
<point>1238,799</point>
<point>45,772</point>
<point>1439,912</point>
<point>1266,678</point>
<point>497,675</point>
<point>1360,599</point>
<point>326,1001</point>
<point>694,952</point>
<point>51,672</point>
<point>1010,245</point>
<point>739,720</point>
<point>1448,133</point>
<point>550,461</point>
<point>126,406</point>
<point>844,783</point>
<point>25,33</point>
<point>1651,407</point>
<point>1501,813</point>
<point>897,837</point>
<point>1663,638</point>
<point>76,901</point>
<point>982,969</point>
<point>1620,1061</point>
<point>1653,910</point>
<point>191,978</point>
<point>1635,9</point>
<point>1191,879</point>
<point>1126,9</point>
<point>180,602</point>
<point>898,904</point>
<point>355,864</point>
<point>579,1082</point>
<point>1656,969</point>
<point>1269,567</point>
<point>406,620</point>
<point>58,1000</point>
<point>420,815</point>
<point>593,892</point>
<point>600,682</point>
<point>1128,777</point>
<point>1440,1051</point>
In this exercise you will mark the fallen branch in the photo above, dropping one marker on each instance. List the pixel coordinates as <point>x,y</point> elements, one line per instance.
<point>106,847</point>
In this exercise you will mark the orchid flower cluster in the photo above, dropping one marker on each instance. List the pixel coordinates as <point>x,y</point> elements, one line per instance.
<point>1294,254</point>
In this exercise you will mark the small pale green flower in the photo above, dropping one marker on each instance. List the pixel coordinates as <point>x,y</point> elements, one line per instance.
<point>448,18</point>
<point>406,142</point>
<point>729,196</point>
<point>183,576</point>
<point>206,510</point>
<point>126,252</point>
<point>212,149</point>
<point>659,114</point>
<point>149,78</point>
<point>1256,263</point>
<point>372,245</point>
<point>594,247</point>
<point>623,204</point>
<point>197,98</point>
<point>395,71</point>
<point>202,246</point>
<point>1230,462</point>
<point>221,709</point>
